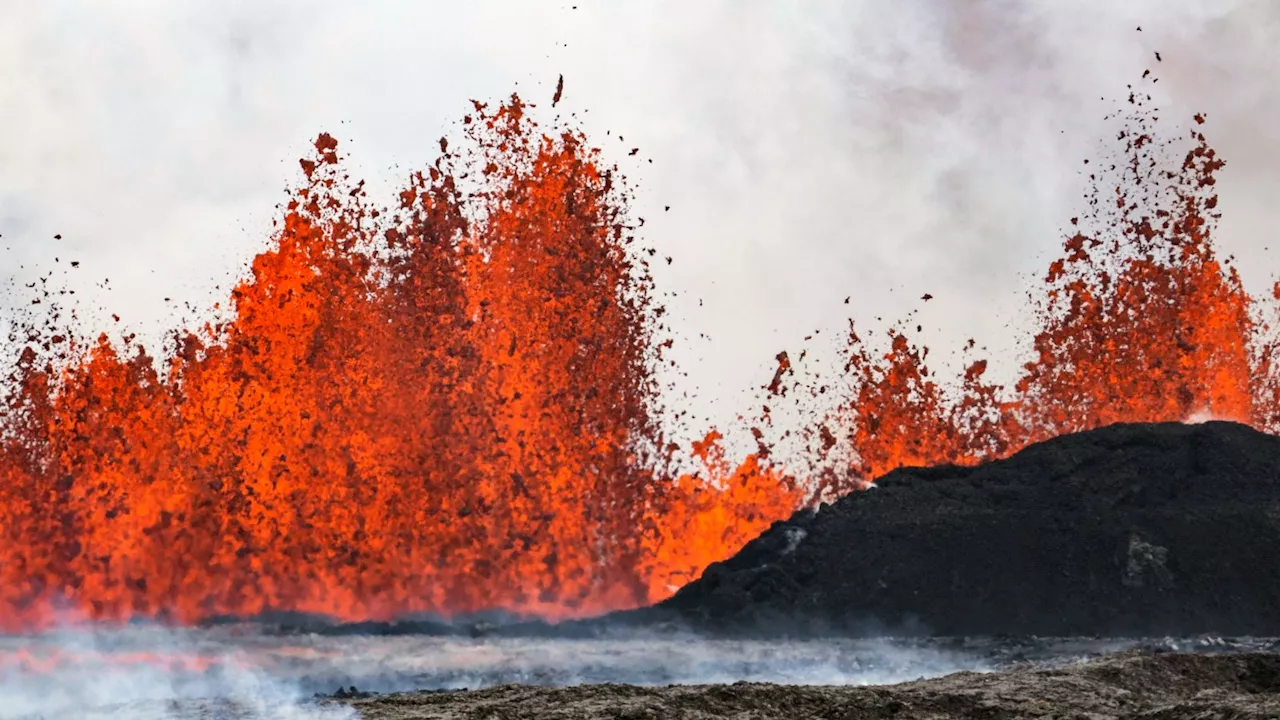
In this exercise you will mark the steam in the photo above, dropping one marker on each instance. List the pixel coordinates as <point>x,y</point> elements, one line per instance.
<point>146,673</point>
<point>241,672</point>
<point>248,672</point>
<point>794,536</point>
<point>385,664</point>
<point>1202,416</point>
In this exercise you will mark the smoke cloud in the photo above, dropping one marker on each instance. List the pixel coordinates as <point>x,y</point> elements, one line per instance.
<point>240,672</point>
<point>808,151</point>
<point>146,673</point>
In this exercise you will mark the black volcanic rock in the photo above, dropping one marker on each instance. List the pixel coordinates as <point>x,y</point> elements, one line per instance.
<point>1136,529</point>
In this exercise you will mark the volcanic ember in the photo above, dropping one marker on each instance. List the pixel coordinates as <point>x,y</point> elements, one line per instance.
<point>450,404</point>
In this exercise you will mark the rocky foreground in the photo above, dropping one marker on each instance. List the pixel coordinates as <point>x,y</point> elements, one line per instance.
<point>1126,685</point>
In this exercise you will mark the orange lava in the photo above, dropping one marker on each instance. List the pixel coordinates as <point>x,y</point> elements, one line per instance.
<point>1140,320</point>
<point>449,405</point>
<point>440,407</point>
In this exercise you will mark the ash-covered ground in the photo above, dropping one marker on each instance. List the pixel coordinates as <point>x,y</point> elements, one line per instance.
<point>251,672</point>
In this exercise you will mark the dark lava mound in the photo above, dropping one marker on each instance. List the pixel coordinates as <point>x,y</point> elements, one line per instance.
<point>1140,530</point>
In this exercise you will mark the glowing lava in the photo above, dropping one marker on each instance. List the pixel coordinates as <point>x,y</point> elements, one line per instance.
<point>450,405</point>
<point>1139,321</point>
<point>441,407</point>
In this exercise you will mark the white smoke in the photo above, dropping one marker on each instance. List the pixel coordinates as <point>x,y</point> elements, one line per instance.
<point>396,664</point>
<point>248,672</point>
<point>241,672</point>
<point>1201,416</point>
<point>144,673</point>
<point>794,536</point>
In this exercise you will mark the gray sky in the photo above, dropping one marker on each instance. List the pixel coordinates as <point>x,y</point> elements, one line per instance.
<point>810,151</point>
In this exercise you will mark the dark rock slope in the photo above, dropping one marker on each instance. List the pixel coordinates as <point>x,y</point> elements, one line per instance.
<point>1126,530</point>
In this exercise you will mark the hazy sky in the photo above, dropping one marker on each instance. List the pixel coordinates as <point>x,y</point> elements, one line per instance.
<point>810,151</point>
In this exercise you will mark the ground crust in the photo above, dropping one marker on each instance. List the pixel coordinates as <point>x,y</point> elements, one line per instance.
<point>1131,684</point>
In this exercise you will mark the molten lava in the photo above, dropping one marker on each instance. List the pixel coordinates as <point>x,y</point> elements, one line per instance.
<point>1140,321</point>
<point>450,405</point>
<point>442,407</point>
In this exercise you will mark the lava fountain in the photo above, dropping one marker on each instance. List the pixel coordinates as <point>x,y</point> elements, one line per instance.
<point>443,406</point>
<point>1139,320</point>
<point>450,404</point>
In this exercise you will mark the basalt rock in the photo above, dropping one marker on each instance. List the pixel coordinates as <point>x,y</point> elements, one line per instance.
<point>1132,529</point>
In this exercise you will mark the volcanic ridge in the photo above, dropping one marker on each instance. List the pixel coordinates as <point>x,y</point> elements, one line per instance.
<point>1130,529</point>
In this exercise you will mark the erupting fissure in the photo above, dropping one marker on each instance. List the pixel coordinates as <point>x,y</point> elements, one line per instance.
<point>450,405</point>
<point>1139,321</point>
<point>439,407</point>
